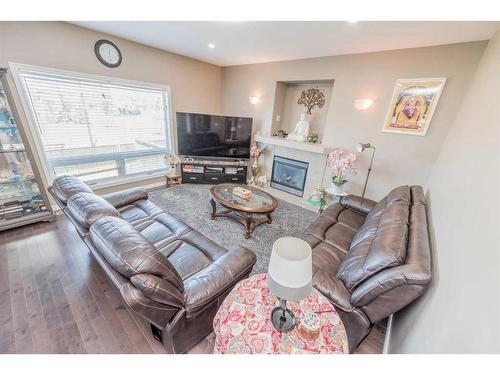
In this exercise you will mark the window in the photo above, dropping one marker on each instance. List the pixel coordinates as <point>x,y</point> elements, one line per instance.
<point>98,129</point>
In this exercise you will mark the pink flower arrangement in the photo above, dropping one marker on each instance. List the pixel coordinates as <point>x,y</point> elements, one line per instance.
<point>254,150</point>
<point>341,166</point>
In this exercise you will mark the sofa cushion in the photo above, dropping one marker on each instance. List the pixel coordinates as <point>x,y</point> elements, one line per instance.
<point>64,187</point>
<point>126,249</point>
<point>336,226</point>
<point>123,198</point>
<point>381,241</point>
<point>401,193</point>
<point>87,208</point>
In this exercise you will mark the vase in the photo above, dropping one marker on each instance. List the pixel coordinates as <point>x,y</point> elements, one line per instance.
<point>337,189</point>
<point>255,168</point>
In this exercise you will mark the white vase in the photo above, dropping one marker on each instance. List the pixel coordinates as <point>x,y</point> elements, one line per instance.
<point>337,190</point>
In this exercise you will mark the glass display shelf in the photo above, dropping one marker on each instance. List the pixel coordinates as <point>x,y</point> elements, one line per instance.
<point>21,201</point>
<point>14,148</point>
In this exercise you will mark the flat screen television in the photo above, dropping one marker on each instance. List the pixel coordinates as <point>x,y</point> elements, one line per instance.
<point>213,136</point>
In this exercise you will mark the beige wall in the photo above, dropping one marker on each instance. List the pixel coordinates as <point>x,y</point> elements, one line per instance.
<point>461,311</point>
<point>400,159</point>
<point>195,85</point>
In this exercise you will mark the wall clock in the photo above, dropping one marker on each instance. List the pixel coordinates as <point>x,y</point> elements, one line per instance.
<point>108,53</point>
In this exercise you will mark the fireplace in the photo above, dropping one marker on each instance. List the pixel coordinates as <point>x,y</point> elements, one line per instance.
<point>289,175</point>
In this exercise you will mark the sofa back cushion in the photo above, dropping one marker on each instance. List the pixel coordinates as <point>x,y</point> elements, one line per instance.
<point>128,252</point>
<point>87,208</point>
<point>381,241</point>
<point>64,187</point>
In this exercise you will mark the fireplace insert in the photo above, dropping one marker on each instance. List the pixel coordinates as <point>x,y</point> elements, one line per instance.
<point>289,175</point>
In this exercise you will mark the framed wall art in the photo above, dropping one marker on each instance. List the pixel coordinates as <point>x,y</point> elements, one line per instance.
<point>412,105</point>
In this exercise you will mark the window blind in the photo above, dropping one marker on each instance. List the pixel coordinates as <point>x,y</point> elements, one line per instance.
<point>99,129</point>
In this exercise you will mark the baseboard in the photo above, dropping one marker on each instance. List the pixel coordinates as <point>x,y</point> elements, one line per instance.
<point>387,337</point>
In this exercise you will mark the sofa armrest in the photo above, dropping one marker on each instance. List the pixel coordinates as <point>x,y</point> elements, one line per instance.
<point>387,280</point>
<point>125,197</point>
<point>158,289</point>
<point>215,279</point>
<point>154,312</point>
<point>333,289</point>
<point>357,203</point>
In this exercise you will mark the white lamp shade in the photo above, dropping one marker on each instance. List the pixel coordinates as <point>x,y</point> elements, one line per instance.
<point>289,274</point>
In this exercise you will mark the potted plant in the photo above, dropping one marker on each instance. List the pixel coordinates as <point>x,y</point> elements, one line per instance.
<point>255,152</point>
<point>340,167</point>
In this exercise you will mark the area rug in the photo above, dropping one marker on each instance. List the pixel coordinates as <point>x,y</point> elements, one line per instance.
<point>191,204</point>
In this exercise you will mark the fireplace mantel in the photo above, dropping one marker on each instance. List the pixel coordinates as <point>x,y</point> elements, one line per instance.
<point>303,146</point>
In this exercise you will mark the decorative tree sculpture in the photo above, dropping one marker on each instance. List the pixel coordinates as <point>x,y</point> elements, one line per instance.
<point>311,98</point>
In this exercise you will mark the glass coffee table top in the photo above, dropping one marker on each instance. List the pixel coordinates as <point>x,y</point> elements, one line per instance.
<point>260,201</point>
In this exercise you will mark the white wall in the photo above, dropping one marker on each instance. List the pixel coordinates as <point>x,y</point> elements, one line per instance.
<point>400,159</point>
<point>461,311</point>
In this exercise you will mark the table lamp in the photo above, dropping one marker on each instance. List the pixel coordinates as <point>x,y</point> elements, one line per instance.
<point>289,278</point>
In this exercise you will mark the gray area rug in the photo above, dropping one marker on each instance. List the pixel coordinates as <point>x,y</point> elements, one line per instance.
<point>191,204</point>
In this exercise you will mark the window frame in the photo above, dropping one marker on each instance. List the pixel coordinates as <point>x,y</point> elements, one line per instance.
<point>18,69</point>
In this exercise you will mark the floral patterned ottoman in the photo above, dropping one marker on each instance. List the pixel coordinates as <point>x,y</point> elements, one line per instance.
<point>243,325</point>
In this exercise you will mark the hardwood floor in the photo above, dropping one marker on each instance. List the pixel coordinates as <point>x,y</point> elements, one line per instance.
<point>54,298</point>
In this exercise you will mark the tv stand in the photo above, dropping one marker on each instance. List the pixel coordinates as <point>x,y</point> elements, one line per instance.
<point>199,171</point>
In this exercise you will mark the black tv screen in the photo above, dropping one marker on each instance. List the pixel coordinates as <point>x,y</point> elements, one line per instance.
<point>213,136</point>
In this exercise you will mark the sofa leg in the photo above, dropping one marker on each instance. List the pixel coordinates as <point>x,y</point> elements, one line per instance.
<point>157,333</point>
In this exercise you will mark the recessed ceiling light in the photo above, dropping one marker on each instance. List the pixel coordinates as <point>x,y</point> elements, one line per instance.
<point>352,21</point>
<point>211,45</point>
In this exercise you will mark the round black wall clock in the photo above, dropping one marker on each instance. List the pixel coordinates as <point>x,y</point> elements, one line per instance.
<point>108,53</point>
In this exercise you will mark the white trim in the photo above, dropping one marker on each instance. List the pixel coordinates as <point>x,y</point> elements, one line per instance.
<point>131,180</point>
<point>32,123</point>
<point>317,148</point>
<point>17,69</point>
<point>387,337</point>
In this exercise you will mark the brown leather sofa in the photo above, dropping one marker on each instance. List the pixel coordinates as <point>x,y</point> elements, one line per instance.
<point>371,259</point>
<point>168,273</point>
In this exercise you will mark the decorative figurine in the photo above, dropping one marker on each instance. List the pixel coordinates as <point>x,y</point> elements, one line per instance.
<point>301,130</point>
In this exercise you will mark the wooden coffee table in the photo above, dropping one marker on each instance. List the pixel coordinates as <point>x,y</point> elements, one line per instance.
<point>242,210</point>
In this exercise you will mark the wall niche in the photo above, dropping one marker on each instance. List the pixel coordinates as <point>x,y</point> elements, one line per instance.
<point>286,111</point>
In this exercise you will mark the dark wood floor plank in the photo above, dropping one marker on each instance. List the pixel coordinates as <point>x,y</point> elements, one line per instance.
<point>54,324</point>
<point>39,332</point>
<point>22,329</point>
<point>87,331</point>
<point>70,328</point>
<point>7,340</point>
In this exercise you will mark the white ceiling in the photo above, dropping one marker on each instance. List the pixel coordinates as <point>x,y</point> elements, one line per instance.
<point>256,42</point>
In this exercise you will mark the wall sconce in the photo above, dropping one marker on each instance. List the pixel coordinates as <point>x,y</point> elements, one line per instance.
<point>363,104</point>
<point>254,99</point>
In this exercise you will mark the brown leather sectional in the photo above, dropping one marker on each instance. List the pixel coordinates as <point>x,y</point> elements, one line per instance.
<point>168,273</point>
<point>371,259</point>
